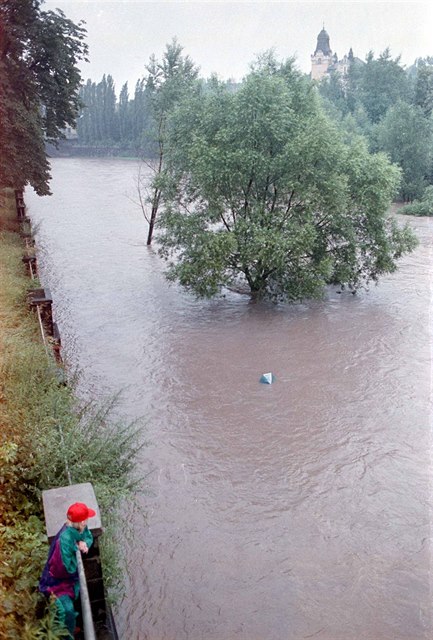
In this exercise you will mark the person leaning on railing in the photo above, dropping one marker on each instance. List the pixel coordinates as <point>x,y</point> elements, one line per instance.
<point>59,579</point>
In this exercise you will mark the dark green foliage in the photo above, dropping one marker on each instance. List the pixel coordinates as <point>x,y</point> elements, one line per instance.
<point>373,86</point>
<point>383,82</point>
<point>392,108</point>
<point>22,150</point>
<point>424,85</point>
<point>98,120</point>
<point>107,122</point>
<point>334,91</point>
<point>422,207</point>
<point>262,190</point>
<point>406,135</point>
<point>39,82</point>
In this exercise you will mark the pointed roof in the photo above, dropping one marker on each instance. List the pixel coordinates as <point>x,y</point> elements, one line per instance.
<point>323,43</point>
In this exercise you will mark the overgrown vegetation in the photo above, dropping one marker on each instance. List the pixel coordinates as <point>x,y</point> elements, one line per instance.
<point>44,430</point>
<point>423,207</point>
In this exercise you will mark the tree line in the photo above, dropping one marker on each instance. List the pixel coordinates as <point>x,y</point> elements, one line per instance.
<point>392,108</point>
<point>126,121</point>
<point>378,98</point>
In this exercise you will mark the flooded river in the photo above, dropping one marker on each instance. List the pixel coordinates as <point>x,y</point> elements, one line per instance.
<point>294,510</point>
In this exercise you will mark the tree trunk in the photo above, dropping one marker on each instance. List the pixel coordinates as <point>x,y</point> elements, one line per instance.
<point>157,193</point>
<point>257,285</point>
<point>155,205</point>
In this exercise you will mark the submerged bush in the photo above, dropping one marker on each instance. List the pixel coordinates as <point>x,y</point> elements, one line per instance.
<point>423,207</point>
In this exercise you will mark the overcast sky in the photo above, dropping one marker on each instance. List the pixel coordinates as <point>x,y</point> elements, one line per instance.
<point>225,37</point>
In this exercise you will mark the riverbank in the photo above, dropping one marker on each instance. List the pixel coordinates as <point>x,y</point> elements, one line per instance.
<point>43,430</point>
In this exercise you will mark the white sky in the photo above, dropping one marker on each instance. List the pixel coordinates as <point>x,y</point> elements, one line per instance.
<point>225,37</point>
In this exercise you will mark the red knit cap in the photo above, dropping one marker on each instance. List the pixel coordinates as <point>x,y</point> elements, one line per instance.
<point>78,512</point>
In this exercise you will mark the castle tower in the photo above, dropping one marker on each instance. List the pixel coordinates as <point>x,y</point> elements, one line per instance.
<point>322,57</point>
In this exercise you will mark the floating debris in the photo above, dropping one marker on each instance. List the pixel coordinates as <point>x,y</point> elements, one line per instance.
<point>267,378</point>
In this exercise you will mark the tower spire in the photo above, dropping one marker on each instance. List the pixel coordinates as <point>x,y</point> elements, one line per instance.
<point>323,43</point>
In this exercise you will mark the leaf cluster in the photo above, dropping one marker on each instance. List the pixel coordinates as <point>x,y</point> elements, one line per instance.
<point>39,82</point>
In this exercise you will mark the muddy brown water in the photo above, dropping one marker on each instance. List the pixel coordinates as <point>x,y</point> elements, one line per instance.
<point>300,509</point>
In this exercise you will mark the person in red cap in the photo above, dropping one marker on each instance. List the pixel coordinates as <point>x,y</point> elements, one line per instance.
<point>59,579</point>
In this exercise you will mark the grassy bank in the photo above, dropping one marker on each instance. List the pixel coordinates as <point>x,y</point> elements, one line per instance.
<point>43,429</point>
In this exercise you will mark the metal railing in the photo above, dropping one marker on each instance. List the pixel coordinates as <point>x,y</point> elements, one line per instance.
<point>86,610</point>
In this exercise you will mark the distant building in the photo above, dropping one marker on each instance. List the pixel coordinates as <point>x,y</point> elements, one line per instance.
<point>323,61</point>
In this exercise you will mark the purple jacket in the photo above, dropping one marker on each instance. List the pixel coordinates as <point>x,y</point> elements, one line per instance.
<point>60,575</point>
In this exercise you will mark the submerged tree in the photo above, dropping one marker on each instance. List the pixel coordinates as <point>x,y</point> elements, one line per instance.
<point>39,80</point>
<point>261,190</point>
<point>167,82</point>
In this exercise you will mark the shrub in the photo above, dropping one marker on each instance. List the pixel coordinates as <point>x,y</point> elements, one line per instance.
<point>423,207</point>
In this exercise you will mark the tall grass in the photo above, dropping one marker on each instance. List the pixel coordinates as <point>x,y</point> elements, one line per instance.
<point>47,439</point>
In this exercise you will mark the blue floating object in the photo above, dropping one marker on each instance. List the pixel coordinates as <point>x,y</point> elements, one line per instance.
<point>267,378</point>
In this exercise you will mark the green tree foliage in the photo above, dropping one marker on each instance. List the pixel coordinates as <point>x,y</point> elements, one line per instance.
<point>424,85</point>
<point>333,90</point>
<point>168,82</point>
<point>39,81</point>
<point>260,189</point>
<point>407,137</point>
<point>123,111</point>
<point>140,118</point>
<point>99,120</point>
<point>106,97</point>
<point>383,82</point>
<point>392,108</point>
<point>86,123</point>
<point>352,83</point>
<point>107,122</point>
<point>372,87</point>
